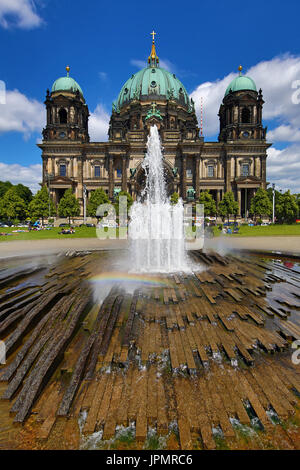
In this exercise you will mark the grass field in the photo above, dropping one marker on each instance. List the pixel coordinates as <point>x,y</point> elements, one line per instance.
<point>90,232</point>
<point>80,232</point>
<point>265,231</point>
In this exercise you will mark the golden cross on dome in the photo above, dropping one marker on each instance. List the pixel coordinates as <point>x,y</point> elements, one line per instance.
<point>153,34</point>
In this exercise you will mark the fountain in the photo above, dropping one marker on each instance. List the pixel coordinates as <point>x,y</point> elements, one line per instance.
<point>156,230</point>
<point>96,372</point>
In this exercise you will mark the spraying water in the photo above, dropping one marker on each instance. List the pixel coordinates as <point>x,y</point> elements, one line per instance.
<point>156,230</point>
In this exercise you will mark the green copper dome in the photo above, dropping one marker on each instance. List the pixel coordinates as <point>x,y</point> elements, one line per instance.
<point>66,84</point>
<point>241,83</point>
<point>150,82</point>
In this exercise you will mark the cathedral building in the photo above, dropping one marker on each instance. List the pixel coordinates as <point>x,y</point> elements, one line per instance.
<point>237,162</point>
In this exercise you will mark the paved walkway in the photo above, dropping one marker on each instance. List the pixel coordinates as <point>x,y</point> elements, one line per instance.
<point>54,246</point>
<point>289,245</point>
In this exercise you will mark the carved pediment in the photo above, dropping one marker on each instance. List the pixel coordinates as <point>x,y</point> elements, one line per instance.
<point>62,180</point>
<point>247,179</point>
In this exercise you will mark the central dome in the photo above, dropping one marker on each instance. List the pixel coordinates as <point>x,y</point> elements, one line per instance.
<point>152,83</point>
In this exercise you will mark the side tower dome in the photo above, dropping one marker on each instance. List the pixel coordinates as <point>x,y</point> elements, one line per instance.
<point>67,112</point>
<point>240,83</point>
<point>241,111</point>
<point>66,84</point>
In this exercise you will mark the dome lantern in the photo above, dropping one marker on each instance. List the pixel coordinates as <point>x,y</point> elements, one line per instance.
<point>153,60</point>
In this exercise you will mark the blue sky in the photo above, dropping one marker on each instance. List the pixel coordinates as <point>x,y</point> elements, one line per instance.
<point>105,42</point>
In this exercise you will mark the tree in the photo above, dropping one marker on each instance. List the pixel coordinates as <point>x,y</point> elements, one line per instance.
<point>286,208</point>
<point>24,192</point>
<point>97,198</point>
<point>129,201</point>
<point>69,205</point>
<point>209,203</point>
<point>174,198</point>
<point>298,204</point>
<point>12,206</point>
<point>261,204</point>
<point>39,206</point>
<point>4,186</point>
<point>228,206</point>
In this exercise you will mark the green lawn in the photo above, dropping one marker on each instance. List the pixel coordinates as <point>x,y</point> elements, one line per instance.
<point>80,232</point>
<point>90,232</point>
<point>265,231</point>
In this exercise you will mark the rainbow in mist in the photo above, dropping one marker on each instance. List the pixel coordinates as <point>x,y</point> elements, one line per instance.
<point>116,276</point>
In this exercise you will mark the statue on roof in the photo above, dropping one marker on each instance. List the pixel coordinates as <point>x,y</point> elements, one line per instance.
<point>153,112</point>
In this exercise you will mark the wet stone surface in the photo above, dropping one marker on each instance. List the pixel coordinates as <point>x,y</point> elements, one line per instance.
<point>98,357</point>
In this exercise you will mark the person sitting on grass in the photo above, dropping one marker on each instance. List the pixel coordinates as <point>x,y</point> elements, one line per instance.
<point>67,231</point>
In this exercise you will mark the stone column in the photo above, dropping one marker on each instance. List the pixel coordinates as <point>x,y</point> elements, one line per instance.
<point>53,195</point>
<point>197,176</point>
<point>228,174</point>
<point>236,168</point>
<point>219,169</point>
<point>263,171</point>
<point>45,169</point>
<point>254,115</point>
<point>239,197</point>
<point>183,177</point>
<point>110,176</point>
<point>218,197</point>
<point>80,183</point>
<point>124,173</point>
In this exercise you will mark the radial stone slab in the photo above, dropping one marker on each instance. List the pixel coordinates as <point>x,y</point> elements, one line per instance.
<point>197,360</point>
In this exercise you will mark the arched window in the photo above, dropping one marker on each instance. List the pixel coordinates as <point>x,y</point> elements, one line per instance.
<point>245,169</point>
<point>62,170</point>
<point>245,115</point>
<point>63,116</point>
<point>210,171</point>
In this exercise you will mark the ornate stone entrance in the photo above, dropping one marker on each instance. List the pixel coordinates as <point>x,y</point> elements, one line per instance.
<point>138,181</point>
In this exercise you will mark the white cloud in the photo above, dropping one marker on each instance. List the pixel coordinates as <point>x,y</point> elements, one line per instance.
<point>140,64</point>
<point>21,114</point>
<point>212,94</point>
<point>167,65</point>
<point>284,133</point>
<point>283,168</point>
<point>103,76</point>
<point>26,115</point>
<point>19,13</point>
<point>279,79</point>
<point>30,176</point>
<point>98,124</point>
<point>275,77</point>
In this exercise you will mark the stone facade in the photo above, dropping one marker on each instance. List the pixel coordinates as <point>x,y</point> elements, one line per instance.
<point>237,162</point>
